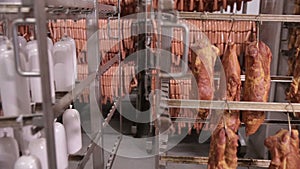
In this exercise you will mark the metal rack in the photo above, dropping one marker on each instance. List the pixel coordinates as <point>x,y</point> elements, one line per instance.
<point>55,9</point>
<point>240,17</point>
<point>222,105</point>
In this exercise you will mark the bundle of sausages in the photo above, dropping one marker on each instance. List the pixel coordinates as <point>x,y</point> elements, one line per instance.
<point>127,6</point>
<point>284,149</point>
<point>219,33</point>
<point>204,5</point>
<point>181,89</point>
<point>110,81</point>
<point>73,29</point>
<point>82,72</point>
<point>24,30</point>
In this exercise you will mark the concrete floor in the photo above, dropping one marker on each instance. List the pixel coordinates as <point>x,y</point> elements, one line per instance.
<point>138,162</point>
<point>132,152</point>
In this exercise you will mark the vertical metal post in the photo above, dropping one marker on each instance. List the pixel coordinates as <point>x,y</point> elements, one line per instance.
<point>95,106</point>
<point>120,68</point>
<point>40,15</point>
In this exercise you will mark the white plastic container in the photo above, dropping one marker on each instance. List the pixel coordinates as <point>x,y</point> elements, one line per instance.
<point>35,82</point>
<point>71,121</point>
<point>28,162</point>
<point>9,152</point>
<point>73,49</point>
<point>14,88</point>
<point>61,146</point>
<point>38,148</point>
<point>65,64</point>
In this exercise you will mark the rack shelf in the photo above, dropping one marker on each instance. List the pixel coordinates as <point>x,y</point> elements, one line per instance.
<point>240,17</point>
<point>13,121</point>
<point>57,3</point>
<point>58,108</point>
<point>204,160</point>
<point>232,105</point>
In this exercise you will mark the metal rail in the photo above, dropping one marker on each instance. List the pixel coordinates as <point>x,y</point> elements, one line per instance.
<point>274,78</point>
<point>113,154</point>
<point>111,113</point>
<point>241,105</point>
<point>239,17</point>
<point>277,79</point>
<point>13,120</point>
<point>267,121</point>
<point>58,3</point>
<point>65,101</point>
<point>108,64</point>
<point>204,160</point>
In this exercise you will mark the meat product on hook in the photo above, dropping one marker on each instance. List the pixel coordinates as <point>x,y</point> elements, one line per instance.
<point>258,58</point>
<point>284,149</point>
<point>223,149</point>
<point>204,61</point>
<point>293,93</point>
<point>233,82</point>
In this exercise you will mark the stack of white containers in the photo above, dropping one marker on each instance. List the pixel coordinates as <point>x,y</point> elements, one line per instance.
<point>65,64</point>
<point>15,96</point>
<point>34,66</point>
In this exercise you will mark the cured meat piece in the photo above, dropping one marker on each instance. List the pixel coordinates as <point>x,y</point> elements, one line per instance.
<point>203,70</point>
<point>258,58</point>
<point>233,82</point>
<point>223,149</point>
<point>293,93</point>
<point>284,149</point>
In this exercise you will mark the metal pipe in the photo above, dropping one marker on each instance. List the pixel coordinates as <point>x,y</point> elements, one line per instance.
<point>39,12</point>
<point>18,68</point>
<point>204,160</point>
<point>240,17</point>
<point>234,105</point>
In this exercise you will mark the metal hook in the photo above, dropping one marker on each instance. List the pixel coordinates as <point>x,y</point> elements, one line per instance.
<point>288,116</point>
<point>257,33</point>
<point>227,104</point>
<point>289,122</point>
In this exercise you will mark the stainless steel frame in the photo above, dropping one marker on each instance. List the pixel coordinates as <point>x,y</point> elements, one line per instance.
<point>204,160</point>
<point>232,105</point>
<point>240,17</point>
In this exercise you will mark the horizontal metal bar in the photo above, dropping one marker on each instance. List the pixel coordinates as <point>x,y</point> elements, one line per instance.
<point>198,120</point>
<point>108,64</point>
<point>51,3</point>
<point>65,101</point>
<point>233,105</point>
<point>58,108</point>
<point>111,113</point>
<point>204,160</point>
<point>279,79</point>
<point>239,17</point>
<point>71,3</point>
<point>274,79</point>
<point>13,122</point>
